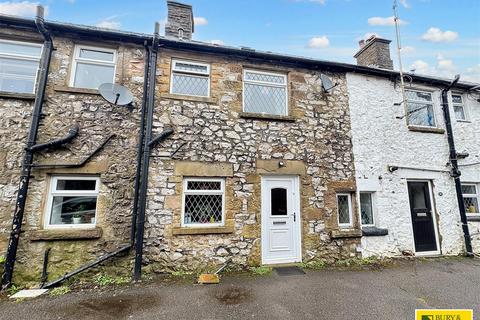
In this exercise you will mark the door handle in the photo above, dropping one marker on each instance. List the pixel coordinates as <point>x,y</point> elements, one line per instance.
<point>294,217</point>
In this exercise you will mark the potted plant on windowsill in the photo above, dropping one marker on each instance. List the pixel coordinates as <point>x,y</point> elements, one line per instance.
<point>77,218</point>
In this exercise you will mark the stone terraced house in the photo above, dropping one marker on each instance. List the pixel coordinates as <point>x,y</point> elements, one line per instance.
<point>255,160</point>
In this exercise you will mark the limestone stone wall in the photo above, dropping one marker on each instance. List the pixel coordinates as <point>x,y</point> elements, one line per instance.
<point>219,140</point>
<point>115,164</point>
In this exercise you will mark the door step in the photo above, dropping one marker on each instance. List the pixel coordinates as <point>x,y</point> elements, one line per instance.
<point>289,271</point>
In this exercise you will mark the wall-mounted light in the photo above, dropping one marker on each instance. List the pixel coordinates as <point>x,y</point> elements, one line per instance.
<point>281,164</point>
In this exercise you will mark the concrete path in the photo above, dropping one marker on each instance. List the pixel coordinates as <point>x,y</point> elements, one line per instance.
<point>391,293</point>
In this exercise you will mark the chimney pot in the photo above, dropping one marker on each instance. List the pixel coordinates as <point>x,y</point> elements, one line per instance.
<point>179,21</point>
<point>361,43</point>
<point>374,52</point>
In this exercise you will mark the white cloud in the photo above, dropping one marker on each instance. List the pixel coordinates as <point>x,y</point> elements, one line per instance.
<point>200,21</point>
<point>443,68</point>
<point>217,42</point>
<point>109,24</point>
<point>420,66</point>
<point>472,74</point>
<point>384,21</point>
<point>24,8</point>
<point>318,42</point>
<point>405,4</point>
<point>368,35</point>
<point>408,50</point>
<point>437,35</point>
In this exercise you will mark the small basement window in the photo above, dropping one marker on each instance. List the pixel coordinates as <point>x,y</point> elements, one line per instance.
<point>344,210</point>
<point>19,63</point>
<point>366,208</point>
<point>72,202</point>
<point>420,108</point>
<point>265,93</point>
<point>471,198</point>
<point>190,78</point>
<point>459,107</point>
<point>203,202</point>
<point>92,67</point>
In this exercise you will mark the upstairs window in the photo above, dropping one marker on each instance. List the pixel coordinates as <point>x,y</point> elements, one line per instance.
<point>19,63</point>
<point>420,108</point>
<point>366,208</point>
<point>203,202</point>
<point>471,198</point>
<point>190,78</point>
<point>344,210</point>
<point>92,66</point>
<point>265,93</point>
<point>72,202</point>
<point>458,107</point>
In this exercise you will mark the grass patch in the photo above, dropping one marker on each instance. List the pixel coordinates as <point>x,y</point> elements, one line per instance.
<point>13,289</point>
<point>59,291</point>
<point>260,271</point>
<point>314,264</point>
<point>106,280</point>
<point>182,273</point>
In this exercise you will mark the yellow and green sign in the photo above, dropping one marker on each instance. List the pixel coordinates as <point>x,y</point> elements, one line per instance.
<point>444,314</point>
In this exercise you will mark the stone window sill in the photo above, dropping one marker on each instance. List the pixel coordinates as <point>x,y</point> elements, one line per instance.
<point>187,98</point>
<point>15,95</point>
<point>267,117</point>
<point>473,218</point>
<point>66,234</point>
<point>347,233</point>
<point>374,232</point>
<point>76,90</point>
<point>205,230</point>
<point>464,121</point>
<point>426,129</point>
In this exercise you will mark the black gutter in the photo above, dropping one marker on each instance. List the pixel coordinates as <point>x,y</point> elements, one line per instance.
<point>88,32</point>
<point>455,173</point>
<point>72,134</point>
<point>28,156</point>
<point>141,136</point>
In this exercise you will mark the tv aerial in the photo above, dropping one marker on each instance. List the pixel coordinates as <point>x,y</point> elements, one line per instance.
<point>116,94</point>
<point>327,83</point>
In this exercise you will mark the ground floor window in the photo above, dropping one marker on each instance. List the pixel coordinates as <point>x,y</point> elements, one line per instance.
<point>471,198</point>
<point>344,210</point>
<point>203,202</point>
<point>366,208</point>
<point>72,202</point>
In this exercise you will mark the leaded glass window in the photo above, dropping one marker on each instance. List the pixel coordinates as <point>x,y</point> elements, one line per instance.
<point>265,93</point>
<point>366,208</point>
<point>190,78</point>
<point>470,198</point>
<point>344,210</point>
<point>420,108</point>
<point>19,63</point>
<point>203,201</point>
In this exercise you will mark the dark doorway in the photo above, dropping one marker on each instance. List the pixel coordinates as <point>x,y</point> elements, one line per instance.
<point>422,216</point>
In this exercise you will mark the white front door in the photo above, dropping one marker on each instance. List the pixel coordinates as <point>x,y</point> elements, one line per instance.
<point>281,228</point>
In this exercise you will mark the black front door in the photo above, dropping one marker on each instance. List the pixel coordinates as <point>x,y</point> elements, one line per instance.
<point>422,216</point>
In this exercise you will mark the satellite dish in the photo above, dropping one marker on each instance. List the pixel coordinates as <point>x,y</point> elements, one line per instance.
<point>115,94</point>
<point>327,84</point>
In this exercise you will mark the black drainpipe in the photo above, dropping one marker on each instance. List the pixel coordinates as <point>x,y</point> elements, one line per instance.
<point>28,156</point>
<point>137,273</point>
<point>141,136</point>
<point>455,171</point>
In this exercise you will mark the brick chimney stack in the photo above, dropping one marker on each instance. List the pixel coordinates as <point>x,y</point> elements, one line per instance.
<point>374,52</point>
<point>179,21</point>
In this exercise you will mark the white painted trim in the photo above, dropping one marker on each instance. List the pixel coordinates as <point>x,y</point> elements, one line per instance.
<point>374,211</point>
<point>191,74</point>
<point>434,218</point>
<point>52,191</point>
<point>350,213</point>
<point>297,224</point>
<point>202,192</point>
<point>463,105</point>
<point>472,195</point>
<point>76,59</point>
<point>432,103</point>
<point>264,83</point>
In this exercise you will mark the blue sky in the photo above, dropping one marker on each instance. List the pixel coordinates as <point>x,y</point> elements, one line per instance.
<point>440,37</point>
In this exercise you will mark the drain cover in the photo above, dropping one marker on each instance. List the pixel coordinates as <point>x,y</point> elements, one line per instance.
<point>289,271</point>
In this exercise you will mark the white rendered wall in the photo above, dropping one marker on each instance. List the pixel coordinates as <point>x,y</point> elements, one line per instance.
<point>380,140</point>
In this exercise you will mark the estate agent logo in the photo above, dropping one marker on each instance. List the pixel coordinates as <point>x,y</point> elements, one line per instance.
<point>445,314</point>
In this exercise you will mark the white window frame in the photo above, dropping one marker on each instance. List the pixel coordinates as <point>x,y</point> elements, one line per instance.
<point>472,195</point>
<point>24,57</point>
<point>76,59</point>
<point>432,94</point>
<point>52,192</point>
<point>185,192</point>
<point>463,105</point>
<point>268,84</point>
<point>372,197</point>
<point>191,74</point>
<point>350,214</point>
